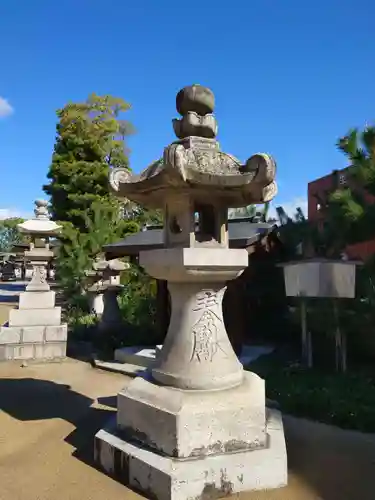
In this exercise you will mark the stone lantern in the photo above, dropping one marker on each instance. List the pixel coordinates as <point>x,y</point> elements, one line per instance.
<point>196,425</point>
<point>40,229</point>
<point>95,289</point>
<point>35,330</point>
<point>104,286</point>
<point>110,271</point>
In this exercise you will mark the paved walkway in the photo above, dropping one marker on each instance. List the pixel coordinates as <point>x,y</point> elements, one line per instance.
<point>50,413</point>
<point>10,290</point>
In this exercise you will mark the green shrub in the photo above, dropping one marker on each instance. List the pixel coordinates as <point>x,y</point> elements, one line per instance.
<point>82,326</point>
<point>346,400</point>
<point>137,301</point>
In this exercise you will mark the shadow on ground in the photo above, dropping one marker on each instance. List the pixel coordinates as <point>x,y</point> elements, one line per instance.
<point>33,399</point>
<point>30,399</point>
<point>337,465</point>
<point>110,401</point>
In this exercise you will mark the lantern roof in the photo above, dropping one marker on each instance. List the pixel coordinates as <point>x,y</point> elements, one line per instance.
<point>41,223</point>
<point>194,165</point>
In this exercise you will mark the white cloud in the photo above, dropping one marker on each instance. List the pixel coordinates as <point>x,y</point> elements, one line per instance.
<point>290,206</point>
<point>9,213</point>
<point>5,108</point>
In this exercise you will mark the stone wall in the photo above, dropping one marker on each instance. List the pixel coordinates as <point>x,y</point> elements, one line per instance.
<point>33,342</point>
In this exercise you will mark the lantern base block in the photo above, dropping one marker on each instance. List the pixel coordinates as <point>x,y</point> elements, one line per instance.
<point>40,343</point>
<point>185,424</point>
<point>215,476</point>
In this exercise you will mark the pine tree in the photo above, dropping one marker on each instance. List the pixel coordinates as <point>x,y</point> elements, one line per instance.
<point>351,213</point>
<point>90,140</point>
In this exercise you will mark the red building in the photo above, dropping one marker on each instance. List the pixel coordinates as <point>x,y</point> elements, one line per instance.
<point>317,192</point>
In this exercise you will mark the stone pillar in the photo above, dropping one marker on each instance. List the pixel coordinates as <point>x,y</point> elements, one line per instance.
<point>38,282</point>
<point>197,353</point>
<point>111,317</point>
<point>96,300</point>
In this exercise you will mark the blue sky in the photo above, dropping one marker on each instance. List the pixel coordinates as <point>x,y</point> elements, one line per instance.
<point>289,77</point>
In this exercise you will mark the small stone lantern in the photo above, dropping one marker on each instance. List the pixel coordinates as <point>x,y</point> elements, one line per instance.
<point>110,271</point>
<point>104,287</point>
<point>199,415</point>
<point>41,228</point>
<point>95,289</point>
<point>35,330</point>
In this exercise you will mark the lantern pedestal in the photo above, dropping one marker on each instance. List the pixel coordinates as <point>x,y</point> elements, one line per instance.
<point>197,353</point>
<point>168,478</point>
<point>197,420</point>
<point>111,317</point>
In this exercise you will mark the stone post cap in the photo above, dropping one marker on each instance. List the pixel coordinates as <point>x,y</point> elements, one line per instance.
<point>195,104</point>
<point>41,209</point>
<point>41,224</point>
<point>195,98</point>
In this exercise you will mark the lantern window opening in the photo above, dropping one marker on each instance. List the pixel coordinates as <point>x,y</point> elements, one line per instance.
<point>205,223</point>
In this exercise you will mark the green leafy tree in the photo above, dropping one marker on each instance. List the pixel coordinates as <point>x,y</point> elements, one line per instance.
<point>9,233</point>
<point>142,215</point>
<point>79,248</point>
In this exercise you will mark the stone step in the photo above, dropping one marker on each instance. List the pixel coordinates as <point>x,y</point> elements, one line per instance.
<point>37,300</point>
<point>163,477</point>
<point>134,361</point>
<point>116,367</point>
<point>136,355</point>
<point>142,356</point>
<point>35,317</point>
